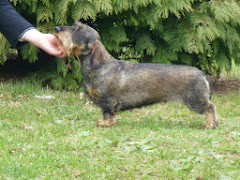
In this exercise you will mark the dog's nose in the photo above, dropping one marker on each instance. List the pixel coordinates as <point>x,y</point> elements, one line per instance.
<point>57,29</point>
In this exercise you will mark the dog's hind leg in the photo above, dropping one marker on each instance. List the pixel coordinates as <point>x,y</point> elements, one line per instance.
<point>108,120</point>
<point>212,120</point>
<point>209,110</point>
<point>202,105</point>
<point>197,98</point>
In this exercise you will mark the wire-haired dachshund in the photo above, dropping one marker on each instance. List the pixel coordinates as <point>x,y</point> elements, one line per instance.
<point>116,85</point>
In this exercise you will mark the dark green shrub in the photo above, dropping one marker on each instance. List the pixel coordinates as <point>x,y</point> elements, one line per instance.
<point>201,33</point>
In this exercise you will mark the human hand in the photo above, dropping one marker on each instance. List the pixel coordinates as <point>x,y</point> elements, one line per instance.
<point>46,42</point>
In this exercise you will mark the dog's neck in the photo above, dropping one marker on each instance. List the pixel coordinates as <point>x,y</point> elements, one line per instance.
<point>97,57</point>
<point>85,64</point>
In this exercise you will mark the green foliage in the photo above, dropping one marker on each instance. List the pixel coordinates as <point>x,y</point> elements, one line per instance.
<point>29,52</point>
<point>4,48</point>
<point>200,33</point>
<point>70,74</point>
<point>63,73</point>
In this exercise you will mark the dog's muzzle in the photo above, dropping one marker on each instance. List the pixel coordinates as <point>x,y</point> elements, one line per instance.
<point>58,29</point>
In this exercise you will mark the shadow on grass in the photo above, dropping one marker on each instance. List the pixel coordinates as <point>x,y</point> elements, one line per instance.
<point>157,123</point>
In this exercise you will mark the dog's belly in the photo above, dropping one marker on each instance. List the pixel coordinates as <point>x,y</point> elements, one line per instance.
<point>130,102</point>
<point>139,96</point>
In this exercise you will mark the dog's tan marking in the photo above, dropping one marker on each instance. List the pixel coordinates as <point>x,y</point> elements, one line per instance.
<point>77,49</point>
<point>93,92</point>
<point>212,120</point>
<point>64,41</point>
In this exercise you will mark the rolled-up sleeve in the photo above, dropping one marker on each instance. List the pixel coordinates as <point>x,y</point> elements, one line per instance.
<point>12,24</point>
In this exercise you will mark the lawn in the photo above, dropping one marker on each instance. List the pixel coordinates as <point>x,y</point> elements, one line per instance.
<point>48,134</point>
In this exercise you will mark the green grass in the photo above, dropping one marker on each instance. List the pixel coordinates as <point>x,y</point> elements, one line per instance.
<point>58,139</point>
<point>234,72</point>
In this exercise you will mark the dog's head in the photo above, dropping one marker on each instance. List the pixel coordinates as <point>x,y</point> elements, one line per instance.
<point>76,39</point>
<point>82,40</point>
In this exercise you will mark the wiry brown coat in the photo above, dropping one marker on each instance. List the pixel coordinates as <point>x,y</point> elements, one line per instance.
<point>116,85</point>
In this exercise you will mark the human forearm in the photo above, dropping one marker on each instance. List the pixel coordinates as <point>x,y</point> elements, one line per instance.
<point>12,25</point>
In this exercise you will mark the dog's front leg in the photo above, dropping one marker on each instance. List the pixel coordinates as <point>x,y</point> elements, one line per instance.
<point>108,120</point>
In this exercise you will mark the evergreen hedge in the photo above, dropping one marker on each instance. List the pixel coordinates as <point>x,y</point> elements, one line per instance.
<point>201,33</point>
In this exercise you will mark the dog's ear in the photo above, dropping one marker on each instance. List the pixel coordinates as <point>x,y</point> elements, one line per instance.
<point>97,58</point>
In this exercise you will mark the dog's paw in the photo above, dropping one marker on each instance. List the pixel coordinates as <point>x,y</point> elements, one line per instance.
<point>106,123</point>
<point>216,122</point>
<point>209,126</point>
